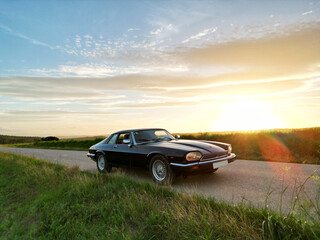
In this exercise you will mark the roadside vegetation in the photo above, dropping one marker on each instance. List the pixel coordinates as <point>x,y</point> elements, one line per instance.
<point>281,145</point>
<point>48,201</point>
<point>61,144</point>
<point>5,139</point>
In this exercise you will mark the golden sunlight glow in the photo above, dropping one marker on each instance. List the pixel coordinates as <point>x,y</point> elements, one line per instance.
<point>247,114</point>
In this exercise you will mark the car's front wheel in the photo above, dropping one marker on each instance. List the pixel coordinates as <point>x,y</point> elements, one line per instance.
<point>160,170</point>
<point>102,164</point>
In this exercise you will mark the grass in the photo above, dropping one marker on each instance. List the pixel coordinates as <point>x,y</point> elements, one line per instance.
<point>49,201</point>
<point>62,144</point>
<point>5,139</point>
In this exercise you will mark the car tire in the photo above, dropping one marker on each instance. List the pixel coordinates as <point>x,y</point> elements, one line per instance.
<point>102,164</point>
<point>161,171</point>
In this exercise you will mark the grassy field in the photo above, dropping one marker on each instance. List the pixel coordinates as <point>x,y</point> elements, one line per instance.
<point>62,144</point>
<point>287,145</point>
<point>5,139</point>
<point>49,201</point>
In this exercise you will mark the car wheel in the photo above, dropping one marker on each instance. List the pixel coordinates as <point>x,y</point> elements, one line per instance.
<point>160,170</point>
<point>102,164</point>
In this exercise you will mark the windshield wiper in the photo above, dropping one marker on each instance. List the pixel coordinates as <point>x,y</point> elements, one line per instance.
<point>156,139</point>
<point>161,139</point>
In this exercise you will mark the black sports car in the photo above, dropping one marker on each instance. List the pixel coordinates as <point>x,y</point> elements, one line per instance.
<point>157,150</point>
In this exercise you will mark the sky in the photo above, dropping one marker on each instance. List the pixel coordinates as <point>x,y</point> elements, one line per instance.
<point>84,68</point>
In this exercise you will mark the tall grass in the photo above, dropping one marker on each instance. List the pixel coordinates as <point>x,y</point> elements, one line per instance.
<point>48,201</point>
<point>286,145</point>
<point>62,144</point>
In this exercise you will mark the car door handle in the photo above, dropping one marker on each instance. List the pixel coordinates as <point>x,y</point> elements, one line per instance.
<point>115,146</point>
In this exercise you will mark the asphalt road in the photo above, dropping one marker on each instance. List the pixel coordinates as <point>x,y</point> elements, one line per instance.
<point>243,181</point>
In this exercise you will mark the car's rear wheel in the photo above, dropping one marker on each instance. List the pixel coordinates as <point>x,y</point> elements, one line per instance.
<point>160,170</point>
<point>102,164</point>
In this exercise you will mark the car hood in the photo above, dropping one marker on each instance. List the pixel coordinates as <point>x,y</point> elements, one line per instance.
<point>207,148</point>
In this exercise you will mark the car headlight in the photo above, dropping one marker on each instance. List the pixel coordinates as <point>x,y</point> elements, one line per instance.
<point>193,156</point>
<point>229,149</point>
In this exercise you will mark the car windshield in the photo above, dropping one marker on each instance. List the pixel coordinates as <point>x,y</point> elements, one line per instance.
<point>152,135</point>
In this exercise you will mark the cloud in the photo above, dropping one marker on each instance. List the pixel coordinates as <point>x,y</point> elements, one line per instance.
<point>108,87</point>
<point>164,104</point>
<point>29,39</point>
<point>271,66</point>
<point>104,93</point>
<point>293,51</point>
<point>78,41</point>
<point>253,89</point>
<point>105,70</point>
<point>22,117</point>
<point>306,13</point>
<point>127,50</point>
<point>133,29</point>
<point>200,34</point>
<point>156,32</point>
<point>53,113</point>
<point>53,89</point>
<point>6,102</point>
<point>88,36</point>
<point>168,27</point>
<point>83,70</point>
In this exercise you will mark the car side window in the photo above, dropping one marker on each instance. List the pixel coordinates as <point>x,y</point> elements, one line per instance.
<point>123,136</point>
<point>113,139</point>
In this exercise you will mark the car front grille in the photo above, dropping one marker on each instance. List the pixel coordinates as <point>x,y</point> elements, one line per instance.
<point>208,158</point>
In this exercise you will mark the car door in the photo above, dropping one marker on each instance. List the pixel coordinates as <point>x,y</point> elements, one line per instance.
<point>109,149</point>
<point>139,156</point>
<point>121,152</point>
<point>140,151</point>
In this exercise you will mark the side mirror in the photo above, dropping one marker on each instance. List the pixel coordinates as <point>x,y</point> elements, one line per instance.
<point>126,141</point>
<point>177,136</point>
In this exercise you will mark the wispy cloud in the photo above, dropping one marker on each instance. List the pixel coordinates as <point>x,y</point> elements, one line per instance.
<point>168,27</point>
<point>4,103</point>
<point>83,70</point>
<point>133,29</point>
<point>53,113</point>
<point>306,13</point>
<point>29,39</point>
<point>200,34</point>
<point>104,70</point>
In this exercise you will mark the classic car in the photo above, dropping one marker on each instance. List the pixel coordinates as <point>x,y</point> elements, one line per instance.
<point>162,154</point>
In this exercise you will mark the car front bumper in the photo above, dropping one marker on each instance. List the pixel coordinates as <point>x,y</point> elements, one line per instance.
<point>197,167</point>
<point>92,156</point>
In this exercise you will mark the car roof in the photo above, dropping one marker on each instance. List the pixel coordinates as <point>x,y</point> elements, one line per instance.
<point>139,129</point>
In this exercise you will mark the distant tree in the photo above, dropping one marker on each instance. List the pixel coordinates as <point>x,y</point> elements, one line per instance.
<point>50,138</point>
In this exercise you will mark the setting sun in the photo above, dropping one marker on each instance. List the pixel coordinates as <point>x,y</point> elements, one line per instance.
<point>247,114</point>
